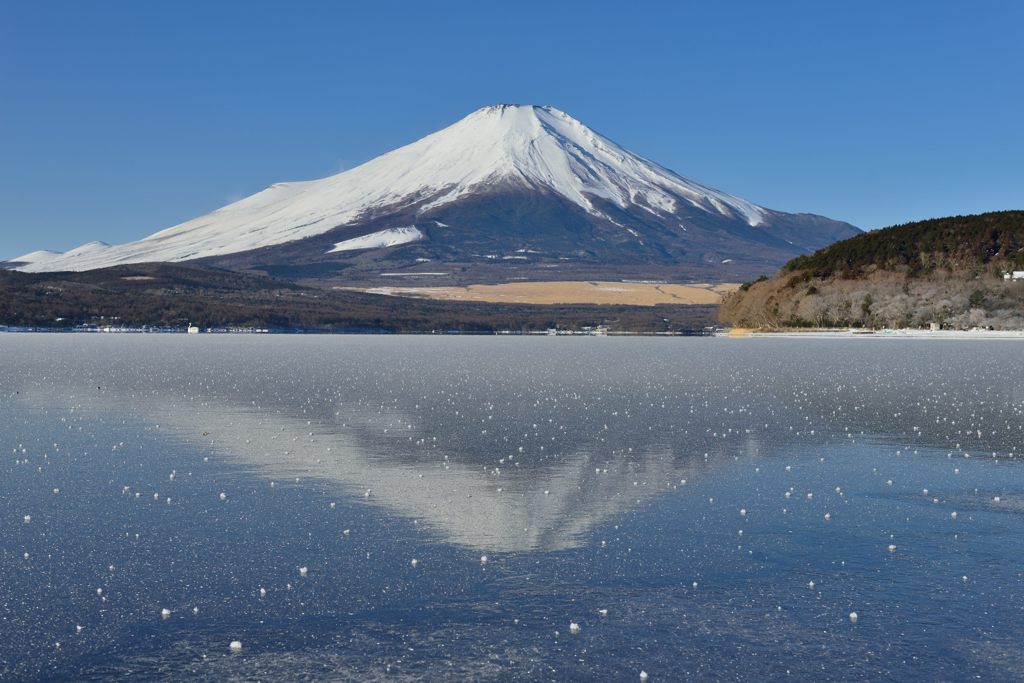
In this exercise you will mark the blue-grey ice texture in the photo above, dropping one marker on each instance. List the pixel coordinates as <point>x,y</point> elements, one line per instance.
<point>710,509</point>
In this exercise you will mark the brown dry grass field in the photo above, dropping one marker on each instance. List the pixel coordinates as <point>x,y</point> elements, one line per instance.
<point>613,293</point>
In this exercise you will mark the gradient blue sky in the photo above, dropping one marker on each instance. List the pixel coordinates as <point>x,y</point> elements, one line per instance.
<point>121,118</point>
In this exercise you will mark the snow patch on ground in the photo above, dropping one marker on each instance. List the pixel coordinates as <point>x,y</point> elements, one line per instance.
<point>391,237</point>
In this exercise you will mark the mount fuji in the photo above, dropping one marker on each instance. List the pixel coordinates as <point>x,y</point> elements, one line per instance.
<point>509,192</point>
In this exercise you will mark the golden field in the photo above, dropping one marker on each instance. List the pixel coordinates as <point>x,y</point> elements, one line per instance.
<point>590,292</point>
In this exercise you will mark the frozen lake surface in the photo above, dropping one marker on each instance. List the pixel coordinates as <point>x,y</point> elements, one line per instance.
<point>410,508</point>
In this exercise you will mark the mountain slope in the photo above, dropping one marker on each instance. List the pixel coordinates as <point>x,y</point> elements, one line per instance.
<point>949,271</point>
<point>506,183</point>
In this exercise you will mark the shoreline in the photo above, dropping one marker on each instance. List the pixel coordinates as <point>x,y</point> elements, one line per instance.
<point>878,334</point>
<point>940,335</point>
<point>363,332</point>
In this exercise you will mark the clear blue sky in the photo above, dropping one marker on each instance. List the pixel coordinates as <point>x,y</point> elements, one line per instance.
<point>121,118</point>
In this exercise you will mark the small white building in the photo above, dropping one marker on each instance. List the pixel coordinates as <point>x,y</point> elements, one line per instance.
<point>1014,275</point>
<point>193,329</point>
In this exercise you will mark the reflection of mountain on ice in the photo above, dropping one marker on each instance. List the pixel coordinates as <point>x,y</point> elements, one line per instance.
<point>548,506</point>
<point>470,505</point>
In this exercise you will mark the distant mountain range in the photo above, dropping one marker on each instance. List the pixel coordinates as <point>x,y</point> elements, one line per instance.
<point>958,272</point>
<point>509,192</point>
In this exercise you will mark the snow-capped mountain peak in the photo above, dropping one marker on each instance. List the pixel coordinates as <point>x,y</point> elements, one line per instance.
<point>498,148</point>
<point>537,146</point>
<point>541,146</point>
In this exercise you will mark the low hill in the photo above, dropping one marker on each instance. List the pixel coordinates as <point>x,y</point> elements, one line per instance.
<point>174,295</point>
<point>950,271</point>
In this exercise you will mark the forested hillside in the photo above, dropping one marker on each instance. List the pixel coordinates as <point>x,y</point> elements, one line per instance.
<point>949,271</point>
